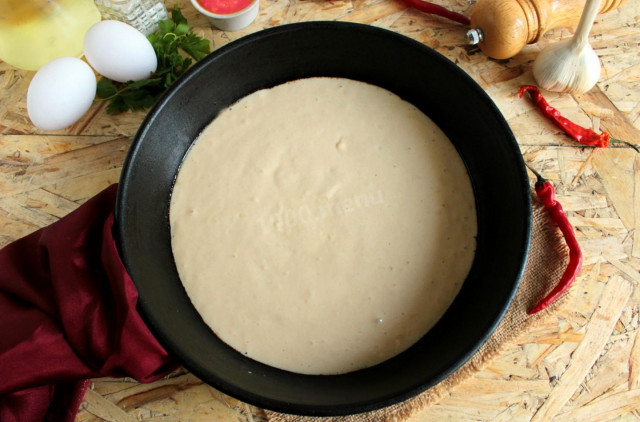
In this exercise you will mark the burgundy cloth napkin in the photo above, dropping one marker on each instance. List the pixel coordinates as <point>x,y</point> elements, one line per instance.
<point>67,314</point>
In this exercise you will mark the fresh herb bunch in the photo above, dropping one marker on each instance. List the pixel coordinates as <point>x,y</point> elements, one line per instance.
<point>171,38</point>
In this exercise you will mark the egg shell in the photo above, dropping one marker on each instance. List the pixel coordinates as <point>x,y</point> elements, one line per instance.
<point>60,93</point>
<point>119,51</point>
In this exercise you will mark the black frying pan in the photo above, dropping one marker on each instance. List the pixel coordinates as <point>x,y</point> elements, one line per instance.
<point>417,74</point>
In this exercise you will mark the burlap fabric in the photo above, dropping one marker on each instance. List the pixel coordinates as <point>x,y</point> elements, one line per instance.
<point>545,265</point>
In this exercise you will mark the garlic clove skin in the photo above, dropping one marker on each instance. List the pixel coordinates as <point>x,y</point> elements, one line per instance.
<point>571,65</point>
<point>567,67</point>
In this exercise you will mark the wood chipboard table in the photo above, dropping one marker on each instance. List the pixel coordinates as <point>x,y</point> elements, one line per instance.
<point>582,364</point>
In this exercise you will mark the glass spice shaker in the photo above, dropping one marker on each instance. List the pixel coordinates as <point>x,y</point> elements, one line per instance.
<point>143,15</point>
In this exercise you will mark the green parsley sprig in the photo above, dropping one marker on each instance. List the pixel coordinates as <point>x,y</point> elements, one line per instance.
<point>176,48</point>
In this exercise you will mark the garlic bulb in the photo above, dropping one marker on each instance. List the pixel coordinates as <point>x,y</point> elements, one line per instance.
<point>570,65</point>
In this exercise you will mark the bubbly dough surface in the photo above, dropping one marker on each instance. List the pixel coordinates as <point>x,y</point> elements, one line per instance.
<point>322,226</point>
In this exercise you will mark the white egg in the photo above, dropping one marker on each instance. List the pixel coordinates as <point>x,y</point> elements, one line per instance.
<point>119,51</point>
<point>60,93</point>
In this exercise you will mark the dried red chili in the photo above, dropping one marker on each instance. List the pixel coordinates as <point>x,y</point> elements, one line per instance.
<point>434,9</point>
<point>578,133</point>
<point>546,192</point>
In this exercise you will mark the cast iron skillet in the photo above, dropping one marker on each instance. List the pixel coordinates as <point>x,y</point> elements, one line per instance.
<point>417,74</point>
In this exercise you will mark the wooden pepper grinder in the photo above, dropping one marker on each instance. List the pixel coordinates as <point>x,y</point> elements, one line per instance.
<point>501,28</point>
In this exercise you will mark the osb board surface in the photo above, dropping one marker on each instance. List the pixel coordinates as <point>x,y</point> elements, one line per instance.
<point>582,364</point>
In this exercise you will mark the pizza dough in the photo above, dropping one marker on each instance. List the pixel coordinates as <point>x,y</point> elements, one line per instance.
<point>322,226</point>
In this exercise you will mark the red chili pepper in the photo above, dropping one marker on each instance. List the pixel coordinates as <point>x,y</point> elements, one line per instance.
<point>434,9</point>
<point>546,192</point>
<point>583,135</point>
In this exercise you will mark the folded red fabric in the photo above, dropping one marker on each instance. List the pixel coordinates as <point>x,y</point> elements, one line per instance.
<point>67,314</point>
